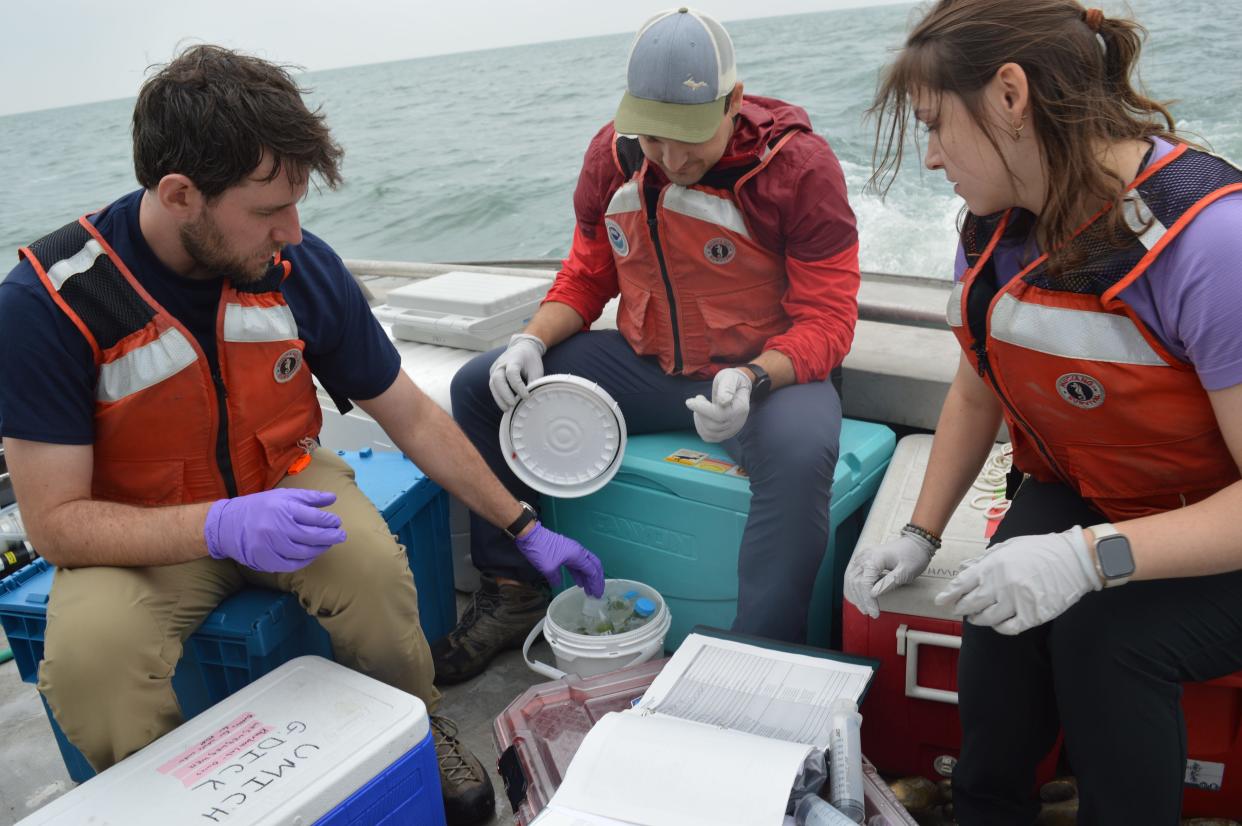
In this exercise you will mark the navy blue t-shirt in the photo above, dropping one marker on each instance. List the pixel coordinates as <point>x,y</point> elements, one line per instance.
<point>48,375</point>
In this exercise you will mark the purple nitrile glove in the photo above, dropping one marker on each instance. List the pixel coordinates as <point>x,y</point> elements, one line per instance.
<point>275,531</point>
<point>548,551</point>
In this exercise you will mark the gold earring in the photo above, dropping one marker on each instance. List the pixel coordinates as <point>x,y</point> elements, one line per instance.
<point>1017,129</point>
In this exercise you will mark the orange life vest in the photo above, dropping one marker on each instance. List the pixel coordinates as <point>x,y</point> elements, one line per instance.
<point>168,431</point>
<point>697,291</point>
<point>1091,397</point>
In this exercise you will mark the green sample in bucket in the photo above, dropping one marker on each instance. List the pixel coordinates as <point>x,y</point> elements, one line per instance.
<point>614,614</point>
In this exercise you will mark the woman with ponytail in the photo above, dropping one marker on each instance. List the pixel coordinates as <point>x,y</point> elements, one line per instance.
<point>1096,300</point>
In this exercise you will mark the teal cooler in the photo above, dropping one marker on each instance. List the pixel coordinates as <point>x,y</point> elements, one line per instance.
<point>678,528</point>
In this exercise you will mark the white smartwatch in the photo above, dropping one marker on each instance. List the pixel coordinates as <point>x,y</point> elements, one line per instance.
<point>1113,560</point>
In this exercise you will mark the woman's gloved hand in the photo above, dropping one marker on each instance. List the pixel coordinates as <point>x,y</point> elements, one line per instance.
<point>881,568</point>
<point>275,531</point>
<point>548,551</point>
<point>519,365</point>
<point>1024,582</point>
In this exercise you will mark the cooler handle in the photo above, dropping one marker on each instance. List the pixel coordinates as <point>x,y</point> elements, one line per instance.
<point>641,481</point>
<point>535,665</point>
<point>908,642</point>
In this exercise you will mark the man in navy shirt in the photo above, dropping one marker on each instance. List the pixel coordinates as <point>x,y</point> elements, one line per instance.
<point>160,422</point>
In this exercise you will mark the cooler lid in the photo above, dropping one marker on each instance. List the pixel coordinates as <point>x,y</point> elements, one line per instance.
<point>965,537</point>
<point>477,294</point>
<point>566,439</point>
<point>288,748</point>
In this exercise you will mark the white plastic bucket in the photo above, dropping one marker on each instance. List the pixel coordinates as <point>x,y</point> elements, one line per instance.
<point>587,655</point>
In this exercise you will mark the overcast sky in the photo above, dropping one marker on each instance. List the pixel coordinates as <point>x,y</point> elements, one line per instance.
<point>63,52</point>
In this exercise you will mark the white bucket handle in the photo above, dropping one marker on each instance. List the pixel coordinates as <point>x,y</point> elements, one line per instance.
<point>548,671</point>
<point>535,665</point>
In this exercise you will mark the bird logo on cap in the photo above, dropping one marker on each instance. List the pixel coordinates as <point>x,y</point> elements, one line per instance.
<point>693,84</point>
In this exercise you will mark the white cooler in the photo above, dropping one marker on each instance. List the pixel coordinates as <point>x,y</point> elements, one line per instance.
<point>471,310</point>
<point>309,743</point>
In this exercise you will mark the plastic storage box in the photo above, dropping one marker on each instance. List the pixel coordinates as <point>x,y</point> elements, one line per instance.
<point>310,743</point>
<point>678,527</point>
<point>255,630</point>
<point>472,310</point>
<point>540,731</point>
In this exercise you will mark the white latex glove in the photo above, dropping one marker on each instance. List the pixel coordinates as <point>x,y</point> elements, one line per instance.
<point>1024,582</point>
<point>520,364</point>
<point>723,416</point>
<point>881,568</point>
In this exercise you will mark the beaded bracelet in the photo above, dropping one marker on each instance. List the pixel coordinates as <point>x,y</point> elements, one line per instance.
<point>923,533</point>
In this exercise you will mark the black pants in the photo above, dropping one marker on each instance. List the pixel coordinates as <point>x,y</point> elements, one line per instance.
<point>1108,671</point>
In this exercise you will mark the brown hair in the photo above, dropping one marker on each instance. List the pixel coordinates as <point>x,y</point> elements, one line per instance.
<point>211,114</point>
<point>1081,93</point>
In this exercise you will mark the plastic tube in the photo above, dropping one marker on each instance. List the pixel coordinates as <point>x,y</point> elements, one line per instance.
<point>845,759</point>
<point>814,811</point>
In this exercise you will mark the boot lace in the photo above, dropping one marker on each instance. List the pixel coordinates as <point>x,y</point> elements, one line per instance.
<point>453,763</point>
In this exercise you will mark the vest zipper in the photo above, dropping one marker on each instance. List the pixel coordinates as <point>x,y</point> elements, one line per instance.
<point>223,460</point>
<point>985,370</point>
<point>652,225</point>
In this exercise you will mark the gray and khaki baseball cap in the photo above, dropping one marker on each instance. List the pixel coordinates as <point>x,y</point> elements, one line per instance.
<point>681,68</point>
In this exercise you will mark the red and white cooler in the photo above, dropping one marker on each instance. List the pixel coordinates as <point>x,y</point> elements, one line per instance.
<point>912,726</point>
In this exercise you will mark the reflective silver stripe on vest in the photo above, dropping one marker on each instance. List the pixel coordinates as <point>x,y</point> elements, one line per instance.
<point>80,261</point>
<point>953,312</point>
<point>243,323</point>
<point>145,367</point>
<point>625,200</point>
<point>1137,215</point>
<point>1074,334</point>
<point>697,204</point>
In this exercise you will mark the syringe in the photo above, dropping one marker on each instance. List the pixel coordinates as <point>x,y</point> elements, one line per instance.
<point>845,759</point>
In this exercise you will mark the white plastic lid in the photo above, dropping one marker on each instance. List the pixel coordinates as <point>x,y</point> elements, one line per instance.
<point>566,439</point>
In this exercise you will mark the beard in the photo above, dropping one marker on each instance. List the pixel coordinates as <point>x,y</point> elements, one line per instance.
<point>209,249</point>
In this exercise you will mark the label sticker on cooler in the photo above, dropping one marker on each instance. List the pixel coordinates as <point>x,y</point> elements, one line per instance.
<point>1204,775</point>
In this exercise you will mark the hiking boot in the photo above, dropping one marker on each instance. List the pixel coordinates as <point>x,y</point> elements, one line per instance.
<point>467,790</point>
<point>498,619</point>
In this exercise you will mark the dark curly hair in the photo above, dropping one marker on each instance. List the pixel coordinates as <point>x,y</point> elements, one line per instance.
<point>212,113</point>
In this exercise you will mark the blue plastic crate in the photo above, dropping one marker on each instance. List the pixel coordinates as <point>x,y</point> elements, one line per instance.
<point>254,631</point>
<point>407,792</point>
<point>678,528</point>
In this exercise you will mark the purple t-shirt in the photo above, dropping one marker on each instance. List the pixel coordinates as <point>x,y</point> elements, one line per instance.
<point>1190,295</point>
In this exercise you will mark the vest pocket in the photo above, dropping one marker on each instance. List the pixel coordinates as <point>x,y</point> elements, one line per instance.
<point>139,481</point>
<point>738,324</point>
<point>632,318</point>
<point>278,445</point>
<point>1153,469</point>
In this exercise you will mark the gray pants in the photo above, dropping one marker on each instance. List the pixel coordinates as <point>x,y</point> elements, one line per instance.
<point>789,447</point>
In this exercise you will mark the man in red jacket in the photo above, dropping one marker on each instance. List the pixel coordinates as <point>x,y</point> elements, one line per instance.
<point>722,223</point>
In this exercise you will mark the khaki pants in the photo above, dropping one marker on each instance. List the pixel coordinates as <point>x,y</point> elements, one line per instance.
<point>114,635</point>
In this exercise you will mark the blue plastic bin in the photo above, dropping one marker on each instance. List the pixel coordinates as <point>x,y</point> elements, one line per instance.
<point>678,528</point>
<point>407,792</point>
<point>256,630</point>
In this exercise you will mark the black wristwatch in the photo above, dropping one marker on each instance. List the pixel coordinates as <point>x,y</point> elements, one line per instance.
<point>762,385</point>
<point>1114,561</point>
<point>527,516</point>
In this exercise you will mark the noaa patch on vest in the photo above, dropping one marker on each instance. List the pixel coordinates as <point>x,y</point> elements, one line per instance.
<point>719,250</point>
<point>287,365</point>
<point>1081,390</point>
<point>616,237</point>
